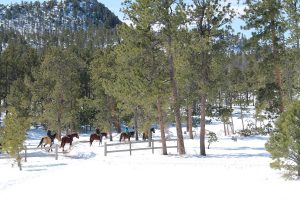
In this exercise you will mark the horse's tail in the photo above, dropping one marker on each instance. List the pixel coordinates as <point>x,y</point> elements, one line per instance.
<point>91,140</point>
<point>41,142</point>
<point>62,144</point>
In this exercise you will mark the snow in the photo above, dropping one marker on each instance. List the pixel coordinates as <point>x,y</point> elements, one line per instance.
<point>231,170</point>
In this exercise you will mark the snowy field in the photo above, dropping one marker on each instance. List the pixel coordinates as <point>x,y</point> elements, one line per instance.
<point>231,170</point>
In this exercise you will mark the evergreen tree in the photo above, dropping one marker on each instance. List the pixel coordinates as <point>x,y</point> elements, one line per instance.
<point>291,59</point>
<point>103,72</point>
<point>149,62</point>
<point>56,89</point>
<point>18,62</point>
<point>169,15</point>
<point>267,19</point>
<point>284,143</point>
<point>212,20</point>
<point>13,134</point>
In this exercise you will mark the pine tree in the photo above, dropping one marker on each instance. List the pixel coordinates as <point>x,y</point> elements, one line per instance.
<point>284,143</point>
<point>14,134</point>
<point>210,18</point>
<point>267,19</point>
<point>56,89</point>
<point>150,62</point>
<point>291,59</point>
<point>103,72</point>
<point>170,15</point>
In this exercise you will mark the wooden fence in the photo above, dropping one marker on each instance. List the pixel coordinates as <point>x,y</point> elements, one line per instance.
<point>130,149</point>
<point>25,153</point>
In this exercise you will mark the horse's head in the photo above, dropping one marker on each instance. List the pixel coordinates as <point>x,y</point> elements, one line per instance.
<point>76,135</point>
<point>152,130</point>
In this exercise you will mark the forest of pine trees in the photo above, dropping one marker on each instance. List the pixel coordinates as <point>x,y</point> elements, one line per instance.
<point>173,62</point>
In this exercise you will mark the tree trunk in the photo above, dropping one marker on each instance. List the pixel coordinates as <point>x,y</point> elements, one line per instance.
<point>136,124</point>
<point>162,127</point>
<point>242,116</point>
<point>224,124</point>
<point>232,125</point>
<point>277,70</point>
<point>202,125</point>
<point>175,102</point>
<point>110,129</point>
<point>117,124</point>
<point>59,114</point>
<point>228,132</point>
<point>187,121</point>
<point>279,84</point>
<point>190,120</point>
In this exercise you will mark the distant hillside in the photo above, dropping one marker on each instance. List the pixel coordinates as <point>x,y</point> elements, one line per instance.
<point>56,15</point>
<point>60,23</point>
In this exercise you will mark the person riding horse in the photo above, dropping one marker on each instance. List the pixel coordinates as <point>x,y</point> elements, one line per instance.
<point>49,134</point>
<point>98,132</point>
<point>127,131</point>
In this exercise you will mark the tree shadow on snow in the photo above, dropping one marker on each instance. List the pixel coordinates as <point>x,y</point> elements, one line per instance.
<point>35,168</point>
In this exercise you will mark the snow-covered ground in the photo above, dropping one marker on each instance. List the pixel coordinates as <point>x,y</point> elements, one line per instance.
<point>231,170</point>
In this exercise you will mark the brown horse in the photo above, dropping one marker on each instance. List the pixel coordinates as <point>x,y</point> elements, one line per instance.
<point>48,140</point>
<point>68,139</point>
<point>146,133</point>
<point>95,136</point>
<point>124,136</point>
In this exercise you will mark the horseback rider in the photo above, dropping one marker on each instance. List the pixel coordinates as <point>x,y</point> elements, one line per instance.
<point>49,134</point>
<point>98,131</point>
<point>127,130</point>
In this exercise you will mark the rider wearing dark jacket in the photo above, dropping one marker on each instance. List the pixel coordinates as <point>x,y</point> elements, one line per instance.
<point>49,134</point>
<point>98,131</point>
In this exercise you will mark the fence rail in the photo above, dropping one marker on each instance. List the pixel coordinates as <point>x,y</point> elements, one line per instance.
<point>27,148</point>
<point>130,149</point>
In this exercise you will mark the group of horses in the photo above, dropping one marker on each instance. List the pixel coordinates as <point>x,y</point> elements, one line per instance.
<point>64,140</point>
<point>49,140</point>
<point>146,134</point>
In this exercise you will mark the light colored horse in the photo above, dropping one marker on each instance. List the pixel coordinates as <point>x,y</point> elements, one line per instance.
<point>48,140</point>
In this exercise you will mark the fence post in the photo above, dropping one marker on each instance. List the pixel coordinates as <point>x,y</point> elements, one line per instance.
<point>130,147</point>
<point>56,151</point>
<point>152,146</point>
<point>105,149</point>
<point>25,153</point>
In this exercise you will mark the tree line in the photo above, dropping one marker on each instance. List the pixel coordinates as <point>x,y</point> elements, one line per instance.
<point>173,61</point>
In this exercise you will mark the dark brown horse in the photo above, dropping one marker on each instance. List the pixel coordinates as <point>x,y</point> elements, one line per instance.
<point>95,136</point>
<point>68,139</point>
<point>48,140</point>
<point>124,136</point>
<point>146,133</point>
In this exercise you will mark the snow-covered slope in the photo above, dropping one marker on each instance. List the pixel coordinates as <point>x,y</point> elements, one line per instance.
<point>231,170</point>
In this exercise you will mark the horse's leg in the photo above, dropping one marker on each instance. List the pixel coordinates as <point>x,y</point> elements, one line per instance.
<point>50,149</point>
<point>41,143</point>
<point>62,145</point>
<point>91,141</point>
